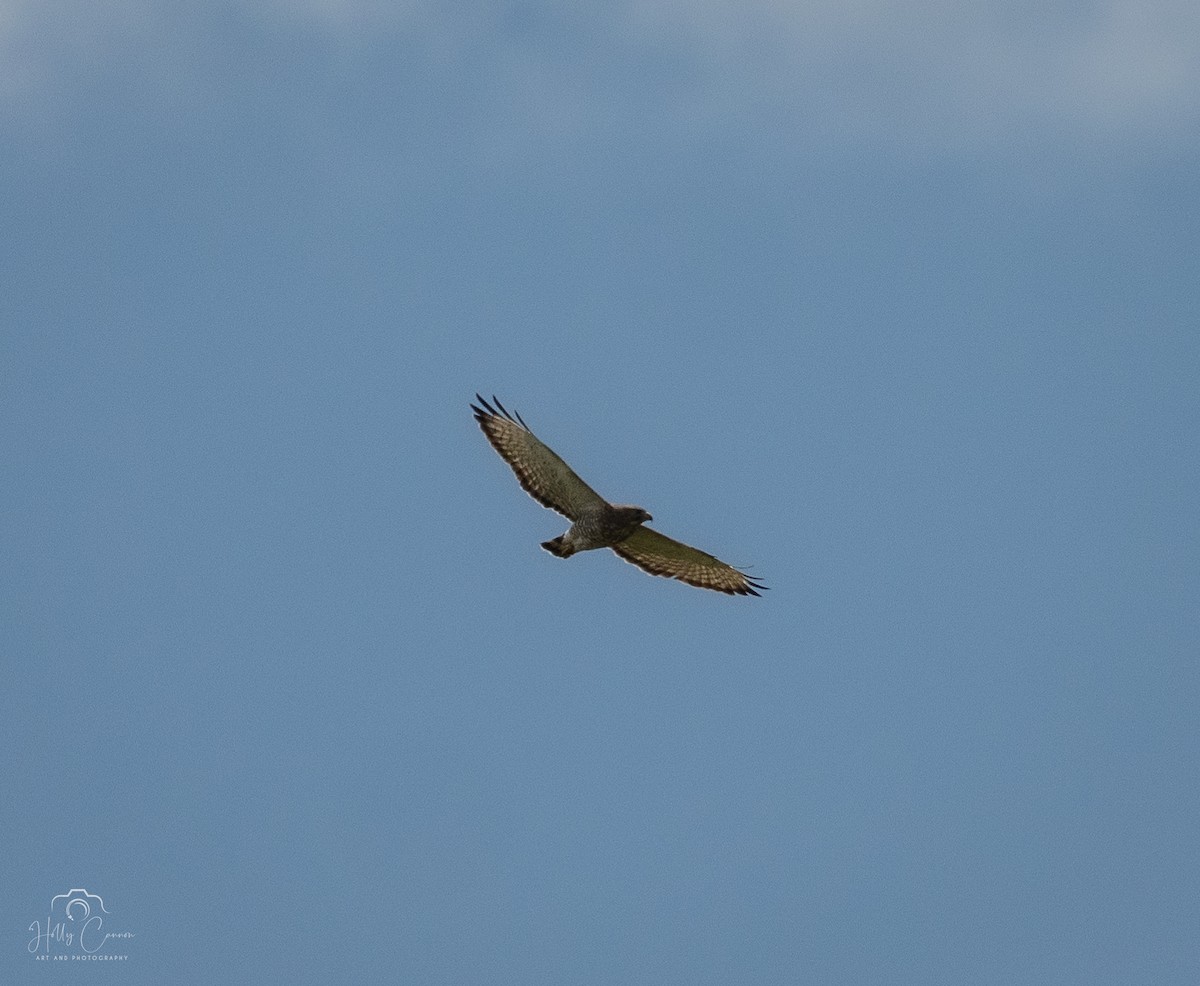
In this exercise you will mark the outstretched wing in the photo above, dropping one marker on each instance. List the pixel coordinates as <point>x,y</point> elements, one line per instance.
<point>660,555</point>
<point>542,474</point>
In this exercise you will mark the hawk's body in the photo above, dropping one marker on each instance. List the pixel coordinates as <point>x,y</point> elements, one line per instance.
<point>599,526</point>
<point>596,523</point>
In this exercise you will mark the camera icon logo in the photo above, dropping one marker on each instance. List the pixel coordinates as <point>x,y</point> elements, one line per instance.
<point>77,905</point>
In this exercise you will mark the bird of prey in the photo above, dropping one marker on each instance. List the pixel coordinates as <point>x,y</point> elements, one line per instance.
<point>596,523</point>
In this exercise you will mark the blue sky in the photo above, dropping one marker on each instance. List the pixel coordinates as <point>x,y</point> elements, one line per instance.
<point>898,305</point>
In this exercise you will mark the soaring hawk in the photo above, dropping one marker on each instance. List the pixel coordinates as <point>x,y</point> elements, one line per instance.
<point>596,523</point>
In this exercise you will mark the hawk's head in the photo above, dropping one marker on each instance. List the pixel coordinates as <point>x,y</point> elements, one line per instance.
<point>635,515</point>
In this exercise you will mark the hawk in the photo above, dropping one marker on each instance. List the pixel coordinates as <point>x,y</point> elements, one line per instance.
<point>596,523</point>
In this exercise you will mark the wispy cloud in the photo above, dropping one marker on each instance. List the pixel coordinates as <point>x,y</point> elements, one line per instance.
<point>921,73</point>
<point>943,70</point>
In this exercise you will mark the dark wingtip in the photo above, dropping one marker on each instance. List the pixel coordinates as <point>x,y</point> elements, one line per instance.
<point>751,584</point>
<point>486,410</point>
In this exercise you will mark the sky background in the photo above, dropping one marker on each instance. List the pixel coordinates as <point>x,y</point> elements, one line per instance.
<point>898,304</point>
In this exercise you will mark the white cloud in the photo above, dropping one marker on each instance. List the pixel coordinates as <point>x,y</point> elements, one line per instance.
<point>920,73</point>
<point>950,68</point>
<point>41,38</point>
